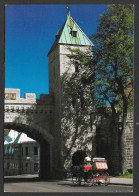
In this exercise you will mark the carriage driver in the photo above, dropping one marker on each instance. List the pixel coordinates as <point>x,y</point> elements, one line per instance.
<point>87,159</point>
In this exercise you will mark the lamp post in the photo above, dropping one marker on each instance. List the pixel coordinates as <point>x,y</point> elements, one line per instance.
<point>29,158</point>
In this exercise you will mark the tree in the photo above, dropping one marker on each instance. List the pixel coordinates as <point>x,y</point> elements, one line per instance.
<point>113,58</point>
<point>104,81</point>
<point>6,131</point>
<point>77,100</point>
<point>113,61</point>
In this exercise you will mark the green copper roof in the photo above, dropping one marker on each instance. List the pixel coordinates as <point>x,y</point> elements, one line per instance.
<point>71,34</point>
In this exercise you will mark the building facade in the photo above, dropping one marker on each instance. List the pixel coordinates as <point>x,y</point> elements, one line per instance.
<point>21,154</point>
<point>70,36</point>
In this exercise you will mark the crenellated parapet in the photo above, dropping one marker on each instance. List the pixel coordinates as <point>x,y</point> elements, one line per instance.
<point>37,114</point>
<point>29,104</point>
<point>13,96</point>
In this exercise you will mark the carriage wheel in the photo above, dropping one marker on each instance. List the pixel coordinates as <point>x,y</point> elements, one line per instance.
<point>73,179</point>
<point>106,178</point>
<point>90,179</point>
<point>78,179</point>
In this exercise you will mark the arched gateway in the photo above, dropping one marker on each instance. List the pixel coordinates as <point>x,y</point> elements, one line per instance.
<point>40,118</point>
<point>35,118</point>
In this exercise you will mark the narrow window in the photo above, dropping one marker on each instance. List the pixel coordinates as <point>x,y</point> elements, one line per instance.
<point>26,166</point>
<point>35,150</point>
<point>26,150</point>
<point>36,167</point>
<point>8,165</point>
<point>16,166</point>
<point>15,148</point>
<point>76,67</point>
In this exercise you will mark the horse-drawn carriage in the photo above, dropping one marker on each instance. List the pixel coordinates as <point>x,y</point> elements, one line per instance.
<point>92,173</point>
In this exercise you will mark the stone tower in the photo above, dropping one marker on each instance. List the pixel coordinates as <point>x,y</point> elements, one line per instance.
<point>70,35</point>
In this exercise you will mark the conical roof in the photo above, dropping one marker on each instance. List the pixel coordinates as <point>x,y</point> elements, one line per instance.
<point>71,34</point>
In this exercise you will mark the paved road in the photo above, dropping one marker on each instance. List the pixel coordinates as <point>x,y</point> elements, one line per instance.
<point>26,184</point>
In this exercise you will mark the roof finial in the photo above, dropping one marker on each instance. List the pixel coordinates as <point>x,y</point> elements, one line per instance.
<point>57,35</point>
<point>68,10</point>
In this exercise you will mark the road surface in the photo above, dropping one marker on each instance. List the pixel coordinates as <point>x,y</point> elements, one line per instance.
<point>33,184</point>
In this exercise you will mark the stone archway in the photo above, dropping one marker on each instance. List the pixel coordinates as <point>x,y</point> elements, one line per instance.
<point>36,117</point>
<point>45,147</point>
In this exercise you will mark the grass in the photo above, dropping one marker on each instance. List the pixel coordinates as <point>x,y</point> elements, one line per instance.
<point>129,175</point>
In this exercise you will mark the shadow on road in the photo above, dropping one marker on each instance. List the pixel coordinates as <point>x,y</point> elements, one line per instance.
<point>70,184</point>
<point>20,179</point>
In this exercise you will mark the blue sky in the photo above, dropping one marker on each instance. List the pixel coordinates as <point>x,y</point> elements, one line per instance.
<point>29,34</point>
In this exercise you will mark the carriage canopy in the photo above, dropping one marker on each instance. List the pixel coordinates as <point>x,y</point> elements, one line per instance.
<point>78,158</point>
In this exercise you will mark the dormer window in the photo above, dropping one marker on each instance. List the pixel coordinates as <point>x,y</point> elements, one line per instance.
<point>74,33</point>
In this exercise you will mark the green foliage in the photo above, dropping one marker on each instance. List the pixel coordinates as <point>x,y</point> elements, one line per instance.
<point>113,58</point>
<point>77,99</point>
<point>79,85</point>
<point>127,175</point>
<point>101,82</point>
<point>6,131</point>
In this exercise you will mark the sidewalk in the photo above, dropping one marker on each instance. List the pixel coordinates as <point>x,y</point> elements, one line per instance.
<point>116,181</point>
<point>113,180</point>
<point>121,181</point>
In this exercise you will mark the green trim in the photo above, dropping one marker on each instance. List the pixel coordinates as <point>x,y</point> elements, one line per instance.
<point>64,35</point>
<point>67,38</point>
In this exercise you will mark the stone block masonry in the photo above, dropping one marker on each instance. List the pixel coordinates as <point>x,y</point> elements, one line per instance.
<point>128,144</point>
<point>33,117</point>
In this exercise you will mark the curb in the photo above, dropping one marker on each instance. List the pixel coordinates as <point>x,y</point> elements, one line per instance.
<point>111,183</point>
<point>122,184</point>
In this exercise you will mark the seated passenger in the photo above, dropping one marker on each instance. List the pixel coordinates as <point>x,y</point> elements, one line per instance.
<point>87,159</point>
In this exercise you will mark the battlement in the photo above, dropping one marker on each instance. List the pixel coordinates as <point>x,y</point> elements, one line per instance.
<point>13,96</point>
<point>47,99</point>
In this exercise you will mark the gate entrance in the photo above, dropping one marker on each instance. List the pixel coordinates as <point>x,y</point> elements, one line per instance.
<point>44,159</point>
<point>35,117</point>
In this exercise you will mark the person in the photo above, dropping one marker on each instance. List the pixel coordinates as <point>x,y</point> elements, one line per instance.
<point>87,165</point>
<point>87,159</point>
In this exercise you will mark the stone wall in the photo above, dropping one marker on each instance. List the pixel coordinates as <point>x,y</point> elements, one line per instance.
<point>108,145</point>
<point>34,117</point>
<point>59,63</point>
<point>128,144</point>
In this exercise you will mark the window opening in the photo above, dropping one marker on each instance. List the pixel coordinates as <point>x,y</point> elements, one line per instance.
<point>26,150</point>
<point>36,167</point>
<point>74,33</point>
<point>35,150</point>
